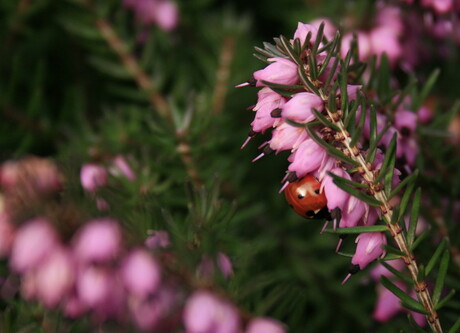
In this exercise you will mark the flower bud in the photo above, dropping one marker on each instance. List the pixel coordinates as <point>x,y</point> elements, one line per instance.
<point>287,137</point>
<point>94,286</point>
<point>121,167</point>
<point>280,71</point>
<point>166,15</point>
<point>267,101</point>
<point>388,304</point>
<point>303,30</point>
<point>157,239</point>
<point>370,247</point>
<point>384,40</point>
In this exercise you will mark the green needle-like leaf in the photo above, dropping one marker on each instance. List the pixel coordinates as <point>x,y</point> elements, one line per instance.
<point>405,200</point>
<point>443,266</point>
<point>319,38</point>
<point>405,298</point>
<point>456,327</point>
<point>397,273</point>
<point>357,193</point>
<point>419,239</point>
<point>417,102</point>
<point>406,181</point>
<point>446,299</point>
<point>389,157</point>
<point>358,230</point>
<point>322,118</point>
<point>436,256</point>
<point>359,129</point>
<point>347,181</point>
<point>414,216</point>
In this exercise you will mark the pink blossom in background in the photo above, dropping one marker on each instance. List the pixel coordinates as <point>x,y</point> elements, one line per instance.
<point>303,30</point>
<point>380,270</point>
<point>98,241</point>
<point>140,273</point>
<point>329,30</point>
<point>163,13</point>
<point>388,304</point>
<point>32,244</point>
<point>265,325</point>
<point>207,266</point>
<point>157,239</point>
<point>6,234</point>
<point>93,176</point>
<point>121,167</point>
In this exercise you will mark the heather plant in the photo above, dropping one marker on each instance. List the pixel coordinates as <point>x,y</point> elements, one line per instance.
<point>126,203</point>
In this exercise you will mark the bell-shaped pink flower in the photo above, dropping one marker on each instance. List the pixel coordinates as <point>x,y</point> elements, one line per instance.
<point>287,137</point>
<point>280,71</point>
<point>405,122</point>
<point>94,285</point>
<point>299,107</point>
<point>384,40</point>
<point>6,234</point>
<point>364,45</point>
<point>148,312</point>
<point>307,158</point>
<point>93,176</point>
<point>440,6</point>
<point>98,241</point>
<point>303,30</point>
<point>205,313</point>
<point>122,168</point>
<point>370,247</point>
<point>33,243</point>
<point>157,239</point>
<point>267,102</point>
<point>140,273</point>
<point>390,17</point>
<point>353,213</point>
<point>336,197</point>
<point>388,304</point>
<point>265,325</point>
<point>55,277</point>
<point>207,266</point>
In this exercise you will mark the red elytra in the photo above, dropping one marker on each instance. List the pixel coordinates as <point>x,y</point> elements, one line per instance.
<point>305,198</point>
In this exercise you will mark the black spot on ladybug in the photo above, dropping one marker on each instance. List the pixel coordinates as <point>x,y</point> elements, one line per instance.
<point>310,213</point>
<point>317,191</point>
<point>300,196</point>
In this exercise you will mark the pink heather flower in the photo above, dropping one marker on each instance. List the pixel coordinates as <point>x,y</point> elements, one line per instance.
<point>389,17</point>
<point>307,158</point>
<point>299,107</point>
<point>207,266</point>
<point>94,285</point>
<point>6,234</point>
<point>267,101</point>
<point>287,137</point>
<point>336,197</point>
<point>425,114</point>
<point>364,45</point>
<point>302,31</point>
<point>147,312</point>
<point>157,239</point>
<point>387,305</point>
<point>93,176</point>
<point>280,71</point>
<point>55,277</point>
<point>384,40</point>
<point>354,212</point>
<point>369,248</point>
<point>166,15</point>
<point>73,307</point>
<point>405,122</point>
<point>205,313</point>
<point>440,6</point>
<point>28,285</point>
<point>380,270</point>
<point>329,28</point>
<point>121,167</point>
<point>419,318</point>
<point>140,273</point>
<point>33,243</point>
<point>99,240</point>
<point>265,325</point>
<point>33,174</point>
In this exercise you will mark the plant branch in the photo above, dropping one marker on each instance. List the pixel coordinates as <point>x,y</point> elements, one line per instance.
<point>396,232</point>
<point>157,101</point>
<point>222,75</point>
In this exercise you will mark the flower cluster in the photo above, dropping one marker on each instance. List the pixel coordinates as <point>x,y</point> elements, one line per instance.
<point>287,114</point>
<point>92,270</point>
<point>163,13</point>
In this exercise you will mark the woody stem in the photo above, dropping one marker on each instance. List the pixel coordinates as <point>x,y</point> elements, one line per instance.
<point>395,229</point>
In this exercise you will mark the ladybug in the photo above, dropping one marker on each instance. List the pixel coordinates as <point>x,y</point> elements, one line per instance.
<point>304,196</point>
